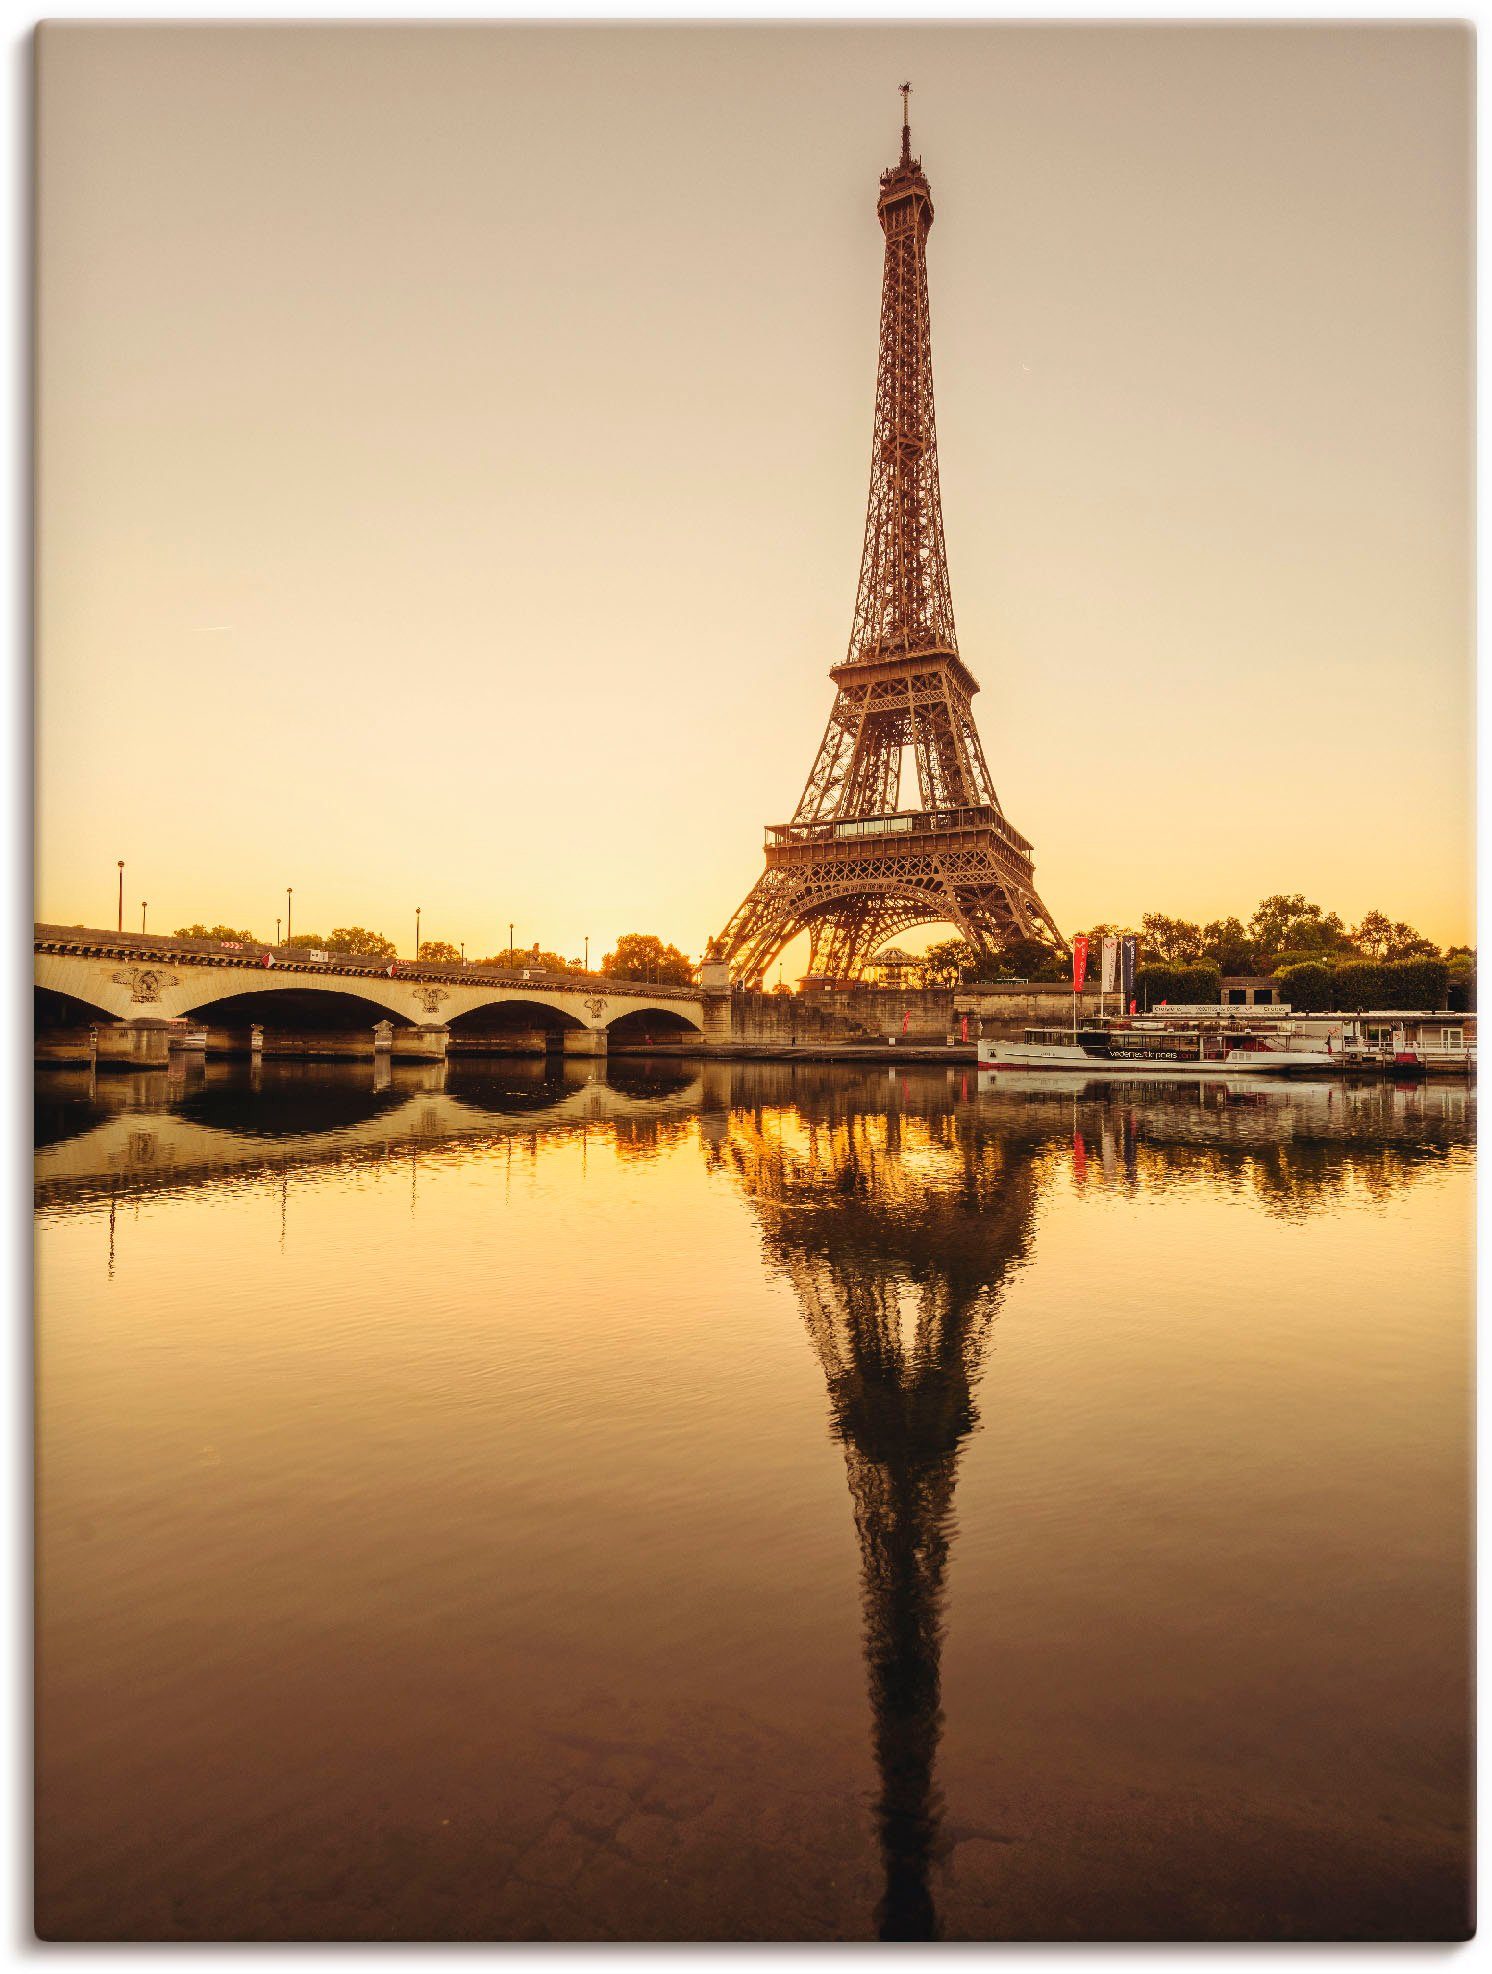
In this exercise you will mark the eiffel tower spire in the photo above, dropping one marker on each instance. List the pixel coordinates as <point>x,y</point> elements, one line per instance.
<point>898,1270</point>
<point>854,866</point>
<point>903,602</point>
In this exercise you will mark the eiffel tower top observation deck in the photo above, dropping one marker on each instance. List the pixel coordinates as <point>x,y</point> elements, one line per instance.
<point>854,866</point>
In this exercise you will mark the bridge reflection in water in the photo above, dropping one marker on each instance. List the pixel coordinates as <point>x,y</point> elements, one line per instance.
<point>899,1207</point>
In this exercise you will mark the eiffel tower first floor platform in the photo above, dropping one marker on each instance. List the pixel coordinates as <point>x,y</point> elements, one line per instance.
<point>853,885</point>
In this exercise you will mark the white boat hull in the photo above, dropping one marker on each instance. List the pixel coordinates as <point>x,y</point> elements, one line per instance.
<point>997,1055</point>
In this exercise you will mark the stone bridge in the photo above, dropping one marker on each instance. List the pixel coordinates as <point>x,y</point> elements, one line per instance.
<point>131,997</point>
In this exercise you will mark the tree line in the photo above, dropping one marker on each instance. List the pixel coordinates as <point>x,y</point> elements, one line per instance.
<point>1285,930</point>
<point>635,956</point>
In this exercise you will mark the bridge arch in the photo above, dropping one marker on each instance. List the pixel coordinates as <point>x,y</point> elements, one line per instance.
<point>505,1014</point>
<point>649,1026</point>
<point>53,1009</point>
<point>344,1004</point>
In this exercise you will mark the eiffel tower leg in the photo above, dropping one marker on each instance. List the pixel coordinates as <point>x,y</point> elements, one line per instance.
<point>761,925</point>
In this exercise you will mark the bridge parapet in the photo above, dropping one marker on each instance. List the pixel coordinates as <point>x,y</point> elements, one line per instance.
<point>92,943</point>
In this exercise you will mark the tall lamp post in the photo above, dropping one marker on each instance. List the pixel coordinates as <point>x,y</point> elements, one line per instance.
<point>510,945</point>
<point>121,894</point>
<point>587,952</point>
<point>278,923</point>
<point>416,931</point>
<point>289,894</point>
<point>143,903</point>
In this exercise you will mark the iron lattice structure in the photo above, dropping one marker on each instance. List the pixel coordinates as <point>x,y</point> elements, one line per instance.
<point>853,868</point>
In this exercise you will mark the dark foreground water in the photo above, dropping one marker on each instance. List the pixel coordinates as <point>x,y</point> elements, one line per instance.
<point>758,1502</point>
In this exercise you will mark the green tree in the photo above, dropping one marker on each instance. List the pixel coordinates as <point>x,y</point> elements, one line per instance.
<point>1286,923</point>
<point>439,952</point>
<point>221,932</point>
<point>1027,959</point>
<point>305,942</point>
<point>535,958</point>
<point>1184,986</point>
<point>1226,943</point>
<point>947,962</point>
<point>1371,935</point>
<point>361,943</point>
<point>1308,986</point>
<point>1461,979</point>
<point>643,956</point>
<point>1404,943</point>
<point>1170,941</point>
<point>1359,983</point>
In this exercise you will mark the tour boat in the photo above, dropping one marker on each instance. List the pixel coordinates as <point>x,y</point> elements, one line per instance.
<point>1158,1045</point>
<point>1415,1043</point>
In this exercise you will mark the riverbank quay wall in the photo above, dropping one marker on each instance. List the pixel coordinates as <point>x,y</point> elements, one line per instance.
<point>888,1023</point>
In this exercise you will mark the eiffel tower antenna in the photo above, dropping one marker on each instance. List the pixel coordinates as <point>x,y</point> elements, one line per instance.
<point>854,867</point>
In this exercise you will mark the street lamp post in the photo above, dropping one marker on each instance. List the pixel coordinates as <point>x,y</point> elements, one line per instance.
<point>289,894</point>
<point>278,923</point>
<point>463,952</point>
<point>121,894</point>
<point>510,945</point>
<point>587,952</point>
<point>416,931</point>
<point>143,903</point>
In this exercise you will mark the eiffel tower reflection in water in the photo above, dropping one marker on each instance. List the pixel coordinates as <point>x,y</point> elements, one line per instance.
<point>898,1233</point>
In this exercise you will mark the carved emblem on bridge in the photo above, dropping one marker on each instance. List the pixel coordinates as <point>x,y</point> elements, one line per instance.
<point>595,1007</point>
<point>430,998</point>
<point>144,982</point>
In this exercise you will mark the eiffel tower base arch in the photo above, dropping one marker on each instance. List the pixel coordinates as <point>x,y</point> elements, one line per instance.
<point>849,917</point>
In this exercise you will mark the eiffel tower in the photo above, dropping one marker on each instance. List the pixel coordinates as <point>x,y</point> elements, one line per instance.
<point>898,1265</point>
<point>853,867</point>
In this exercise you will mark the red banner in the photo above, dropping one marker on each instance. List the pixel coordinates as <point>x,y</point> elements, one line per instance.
<point>1079,962</point>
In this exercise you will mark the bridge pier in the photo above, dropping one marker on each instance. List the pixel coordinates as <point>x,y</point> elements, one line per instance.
<point>143,1044</point>
<point>584,1042</point>
<point>425,1042</point>
<point>234,1041</point>
<point>715,1002</point>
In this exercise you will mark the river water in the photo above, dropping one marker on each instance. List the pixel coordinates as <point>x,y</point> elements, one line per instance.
<point>750,1502</point>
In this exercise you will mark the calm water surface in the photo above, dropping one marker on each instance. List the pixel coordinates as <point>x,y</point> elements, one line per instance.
<point>758,1501</point>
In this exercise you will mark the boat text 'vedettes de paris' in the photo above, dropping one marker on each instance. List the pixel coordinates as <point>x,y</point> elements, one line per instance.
<point>1178,1044</point>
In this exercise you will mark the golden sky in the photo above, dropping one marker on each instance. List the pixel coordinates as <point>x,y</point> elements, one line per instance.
<point>453,446</point>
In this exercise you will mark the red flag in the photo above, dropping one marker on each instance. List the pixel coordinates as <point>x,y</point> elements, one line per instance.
<point>1079,961</point>
<point>906,1019</point>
